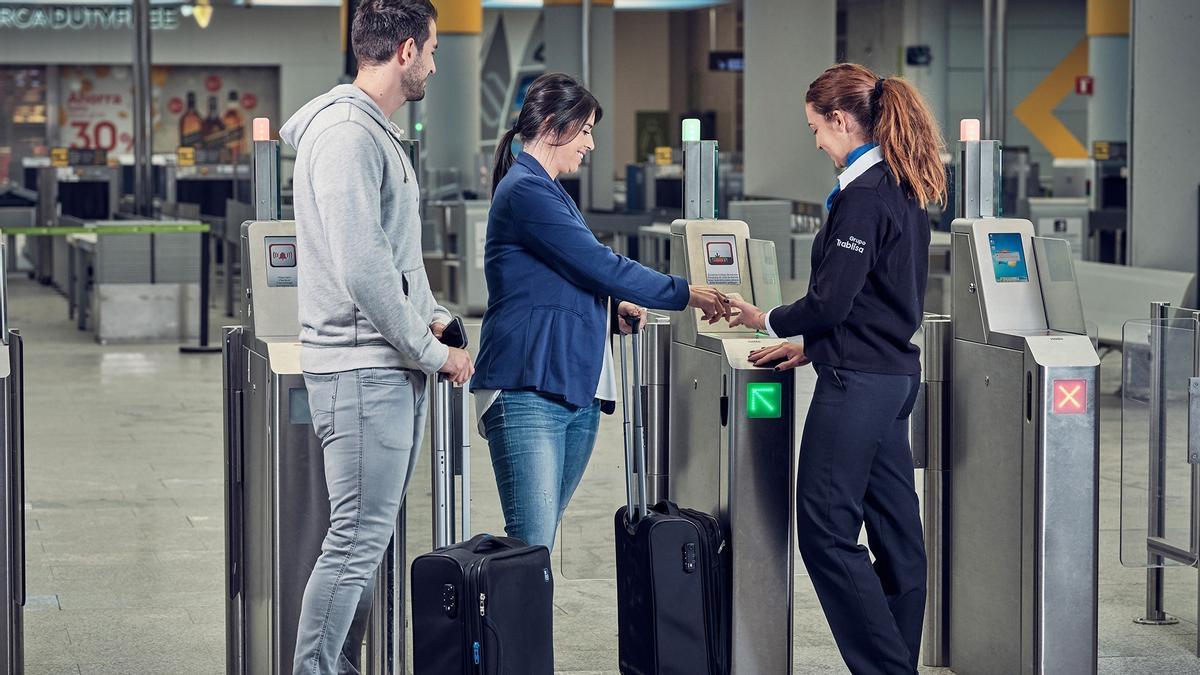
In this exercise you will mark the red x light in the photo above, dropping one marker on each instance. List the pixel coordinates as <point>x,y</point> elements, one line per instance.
<point>1070,397</point>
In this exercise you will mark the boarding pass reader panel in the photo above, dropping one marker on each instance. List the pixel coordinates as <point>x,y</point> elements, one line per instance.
<point>721,254</point>
<point>272,302</point>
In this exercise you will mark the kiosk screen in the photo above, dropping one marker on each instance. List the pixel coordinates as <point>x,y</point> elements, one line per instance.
<point>1008,257</point>
<point>281,261</point>
<point>720,260</point>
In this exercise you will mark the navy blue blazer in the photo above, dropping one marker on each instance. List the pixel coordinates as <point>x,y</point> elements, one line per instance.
<point>549,280</point>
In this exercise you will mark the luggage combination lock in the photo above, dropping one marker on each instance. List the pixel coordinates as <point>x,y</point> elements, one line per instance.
<point>449,600</point>
<point>689,557</point>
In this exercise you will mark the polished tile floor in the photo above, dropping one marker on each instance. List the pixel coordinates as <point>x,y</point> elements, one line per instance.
<point>124,514</point>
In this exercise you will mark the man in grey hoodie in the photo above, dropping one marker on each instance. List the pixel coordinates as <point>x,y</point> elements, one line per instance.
<point>369,323</point>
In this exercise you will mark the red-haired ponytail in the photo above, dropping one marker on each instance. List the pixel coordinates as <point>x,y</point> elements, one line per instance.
<point>892,113</point>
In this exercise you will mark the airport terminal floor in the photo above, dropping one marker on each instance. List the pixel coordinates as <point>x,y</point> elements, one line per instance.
<point>125,527</point>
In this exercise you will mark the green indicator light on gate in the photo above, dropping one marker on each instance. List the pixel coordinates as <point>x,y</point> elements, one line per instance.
<point>764,400</point>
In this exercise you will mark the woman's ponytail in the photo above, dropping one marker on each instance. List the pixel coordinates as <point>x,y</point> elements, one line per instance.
<point>910,140</point>
<point>892,113</point>
<point>504,157</point>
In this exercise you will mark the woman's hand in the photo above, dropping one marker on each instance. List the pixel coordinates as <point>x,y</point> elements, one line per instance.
<point>713,304</point>
<point>783,356</point>
<point>626,311</point>
<point>747,315</point>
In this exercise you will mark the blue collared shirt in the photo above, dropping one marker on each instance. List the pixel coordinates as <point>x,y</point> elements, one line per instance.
<point>855,168</point>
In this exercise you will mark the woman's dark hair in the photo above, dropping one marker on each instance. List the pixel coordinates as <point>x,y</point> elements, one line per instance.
<point>892,113</point>
<point>556,107</point>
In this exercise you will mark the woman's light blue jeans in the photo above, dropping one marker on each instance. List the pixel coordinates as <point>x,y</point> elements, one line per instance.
<point>540,448</point>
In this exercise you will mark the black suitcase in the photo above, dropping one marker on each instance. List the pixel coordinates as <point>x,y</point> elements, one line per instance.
<point>483,607</point>
<point>672,571</point>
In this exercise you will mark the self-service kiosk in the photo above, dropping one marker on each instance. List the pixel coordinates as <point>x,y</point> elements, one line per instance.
<point>1021,503</point>
<point>732,437</point>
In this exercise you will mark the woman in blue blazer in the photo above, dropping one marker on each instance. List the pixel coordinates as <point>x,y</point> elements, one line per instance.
<point>545,369</point>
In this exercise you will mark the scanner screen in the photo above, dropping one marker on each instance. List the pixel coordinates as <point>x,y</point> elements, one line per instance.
<point>281,261</point>
<point>720,260</point>
<point>1008,257</point>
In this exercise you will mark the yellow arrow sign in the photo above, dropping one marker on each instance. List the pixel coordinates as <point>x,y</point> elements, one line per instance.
<point>1036,112</point>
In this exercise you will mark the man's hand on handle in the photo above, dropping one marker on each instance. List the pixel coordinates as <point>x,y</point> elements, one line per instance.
<point>458,366</point>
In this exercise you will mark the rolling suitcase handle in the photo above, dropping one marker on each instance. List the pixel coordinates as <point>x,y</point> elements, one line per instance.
<point>450,409</point>
<point>635,438</point>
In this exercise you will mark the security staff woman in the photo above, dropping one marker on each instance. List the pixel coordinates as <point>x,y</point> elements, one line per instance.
<point>544,365</point>
<point>864,303</point>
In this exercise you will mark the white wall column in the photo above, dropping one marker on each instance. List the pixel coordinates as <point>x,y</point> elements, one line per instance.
<point>450,111</point>
<point>564,54</point>
<point>788,43</point>
<point>1165,135</point>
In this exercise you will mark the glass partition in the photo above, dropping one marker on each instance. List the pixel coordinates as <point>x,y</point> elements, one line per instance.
<point>1158,484</point>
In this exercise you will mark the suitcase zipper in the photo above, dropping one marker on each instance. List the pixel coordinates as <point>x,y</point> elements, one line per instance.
<point>473,578</point>
<point>713,584</point>
<point>477,624</point>
<point>473,638</point>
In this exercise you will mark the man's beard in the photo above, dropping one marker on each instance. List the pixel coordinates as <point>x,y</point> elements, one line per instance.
<point>413,87</point>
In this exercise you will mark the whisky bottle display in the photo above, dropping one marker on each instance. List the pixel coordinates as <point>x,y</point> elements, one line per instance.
<point>212,127</point>
<point>233,121</point>
<point>191,127</point>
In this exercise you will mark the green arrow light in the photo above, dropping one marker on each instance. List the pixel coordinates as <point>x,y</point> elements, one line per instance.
<point>764,400</point>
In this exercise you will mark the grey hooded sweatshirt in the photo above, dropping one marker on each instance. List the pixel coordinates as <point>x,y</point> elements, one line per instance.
<point>364,297</point>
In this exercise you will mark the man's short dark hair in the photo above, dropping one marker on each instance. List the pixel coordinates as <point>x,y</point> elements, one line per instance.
<point>381,26</point>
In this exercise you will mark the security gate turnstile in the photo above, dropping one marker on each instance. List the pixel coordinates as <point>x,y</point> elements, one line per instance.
<point>465,230</point>
<point>732,437</point>
<point>1023,490</point>
<point>12,490</point>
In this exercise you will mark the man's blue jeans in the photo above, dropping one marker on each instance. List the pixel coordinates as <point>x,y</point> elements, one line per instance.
<point>370,423</point>
<point>540,448</point>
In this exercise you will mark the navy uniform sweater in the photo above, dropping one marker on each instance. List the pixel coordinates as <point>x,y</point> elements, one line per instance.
<point>866,295</point>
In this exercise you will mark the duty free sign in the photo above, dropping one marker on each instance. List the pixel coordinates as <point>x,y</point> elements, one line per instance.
<point>32,16</point>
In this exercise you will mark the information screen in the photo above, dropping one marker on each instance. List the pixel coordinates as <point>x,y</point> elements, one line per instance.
<point>720,260</point>
<point>1008,257</point>
<point>281,261</point>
